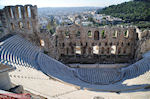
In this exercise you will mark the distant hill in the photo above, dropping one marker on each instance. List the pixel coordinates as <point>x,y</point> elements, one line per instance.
<point>65,10</point>
<point>136,12</point>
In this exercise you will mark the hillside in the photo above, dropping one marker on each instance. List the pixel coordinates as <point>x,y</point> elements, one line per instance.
<point>64,10</point>
<point>136,12</point>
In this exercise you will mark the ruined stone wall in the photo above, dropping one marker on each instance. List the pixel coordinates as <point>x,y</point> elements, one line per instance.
<point>143,44</point>
<point>96,44</point>
<point>22,20</point>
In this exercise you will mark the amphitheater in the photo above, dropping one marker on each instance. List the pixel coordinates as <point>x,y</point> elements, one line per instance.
<point>24,62</point>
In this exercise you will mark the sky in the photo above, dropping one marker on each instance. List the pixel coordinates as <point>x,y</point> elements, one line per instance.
<point>62,3</point>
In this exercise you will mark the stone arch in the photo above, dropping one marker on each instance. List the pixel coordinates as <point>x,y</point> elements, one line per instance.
<point>67,50</point>
<point>20,25</point>
<point>103,34</point>
<point>28,11</point>
<point>115,34</point>
<point>12,26</point>
<point>126,34</point>
<point>19,15</point>
<point>102,51</point>
<point>11,13</point>
<point>89,34</point>
<point>78,34</point>
<point>67,34</point>
<point>89,50</point>
<point>96,35</point>
<point>96,49</point>
<point>108,50</point>
<point>119,50</point>
<point>72,50</point>
<point>113,49</point>
<point>78,50</point>
<point>28,25</point>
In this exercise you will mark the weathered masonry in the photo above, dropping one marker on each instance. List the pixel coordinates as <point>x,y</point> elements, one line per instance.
<point>96,44</point>
<point>19,19</point>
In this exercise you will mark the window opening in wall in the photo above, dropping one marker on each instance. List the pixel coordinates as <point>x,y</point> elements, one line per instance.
<point>96,35</point>
<point>72,50</point>
<point>81,43</point>
<point>42,43</point>
<point>28,11</point>
<point>107,50</point>
<point>86,44</point>
<point>103,33</point>
<point>28,25</point>
<point>119,50</point>
<point>122,44</point>
<point>124,51</point>
<point>11,13</point>
<point>19,12</point>
<point>78,50</point>
<point>113,49</point>
<point>92,44</point>
<point>105,43</point>
<point>115,34</point>
<point>56,41</point>
<point>110,43</point>
<point>63,44</point>
<point>12,26</point>
<point>67,34</point>
<point>89,50</point>
<point>96,49</point>
<point>128,44</point>
<point>117,43</point>
<point>84,48</point>
<point>102,52</point>
<point>126,34</point>
<point>20,25</point>
<point>67,51</point>
<point>89,34</point>
<point>78,34</point>
<point>99,44</point>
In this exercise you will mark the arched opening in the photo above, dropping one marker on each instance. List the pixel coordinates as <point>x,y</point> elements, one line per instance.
<point>119,50</point>
<point>11,13</point>
<point>28,11</point>
<point>108,50</point>
<point>126,34</point>
<point>84,50</point>
<point>67,51</point>
<point>42,43</point>
<point>122,44</point>
<point>115,34</point>
<point>128,44</point>
<point>96,49</point>
<point>103,34</point>
<point>28,25</point>
<point>19,12</point>
<point>89,34</point>
<point>12,26</point>
<point>102,52</point>
<point>96,35</point>
<point>63,45</point>
<point>113,49</point>
<point>20,25</point>
<point>78,34</point>
<point>89,50</point>
<point>67,34</point>
<point>124,51</point>
<point>105,43</point>
<point>78,50</point>
<point>72,50</point>
<point>110,43</point>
